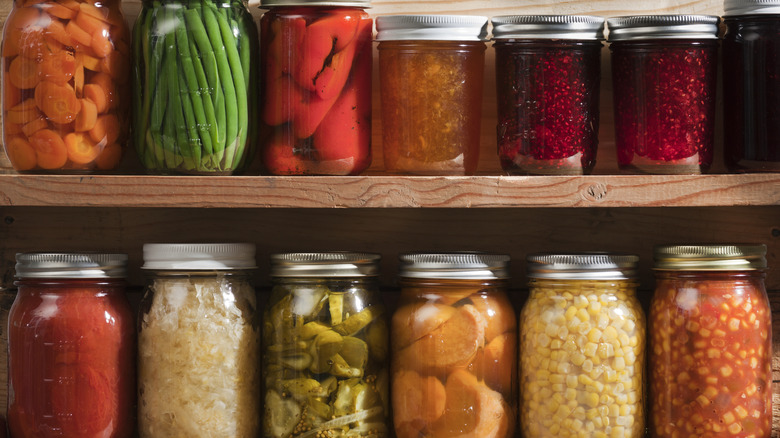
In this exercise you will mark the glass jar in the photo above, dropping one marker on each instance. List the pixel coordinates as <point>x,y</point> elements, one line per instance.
<point>198,342</point>
<point>548,76</point>
<point>194,96</point>
<point>664,70</point>
<point>316,85</point>
<point>582,345</point>
<point>71,341</point>
<point>66,71</point>
<point>326,347</point>
<point>751,78</point>
<point>454,347</point>
<point>430,76</point>
<point>710,342</point>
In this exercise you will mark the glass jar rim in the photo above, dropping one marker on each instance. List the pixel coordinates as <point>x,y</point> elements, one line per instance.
<point>198,256</point>
<point>431,28</point>
<point>710,257</point>
<point>333,264</point>
<point>643,27</point>
<point>583,266</point>
<point>750,7</point>
<point>79,265</point>
<point>570,27</point>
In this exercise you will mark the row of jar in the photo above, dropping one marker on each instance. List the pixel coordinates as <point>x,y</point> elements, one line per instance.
<point>72,72</point>
<point>320,355</point>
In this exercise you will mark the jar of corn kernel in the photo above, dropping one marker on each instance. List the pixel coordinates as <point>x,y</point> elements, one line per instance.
<point>710,343</point>
<point>582,346</point>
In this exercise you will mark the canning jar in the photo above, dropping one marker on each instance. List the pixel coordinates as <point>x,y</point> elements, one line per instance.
<point>582,347</point>
<point>710,342</point>
<point>198,342</point>
<point>430,77</point>
<point>454,347</point>
<point>194,80</point>
<point>751,85</point>
<point>66,71</point>
<point>664,70</point>
<point>548,76</point>
<point>325,347</point>
<point>316,87</point>
<point>71,345</point>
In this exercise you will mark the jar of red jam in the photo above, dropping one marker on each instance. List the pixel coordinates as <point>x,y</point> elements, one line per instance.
<point>71,345</point>
<point>548,73</point>
<point>454,347</point>
<point>315,83</point>
<point>430,75</point>
<point>710,342</point>
<point>751,85</point>
<point>664,70</point>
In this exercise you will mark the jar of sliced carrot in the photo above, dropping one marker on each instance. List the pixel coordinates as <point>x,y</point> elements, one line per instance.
<point>454,347</point>
<point>710,342</point>
<point>65,68</point>
<point>582,345</point>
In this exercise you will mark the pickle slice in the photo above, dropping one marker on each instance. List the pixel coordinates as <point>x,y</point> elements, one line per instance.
<point>281,416</point>
<point>377,339</point>
<point>355,352</point>
<point>356,322</point>
<point>336,307</point>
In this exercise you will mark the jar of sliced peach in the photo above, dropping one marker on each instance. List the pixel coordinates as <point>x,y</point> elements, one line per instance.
<point>582,346</point>
<point>453,339</point>
<point>710,343</point>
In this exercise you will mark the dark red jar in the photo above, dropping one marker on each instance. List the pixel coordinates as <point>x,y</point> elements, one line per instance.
<point>548,70</point>
<point>71,344</point>
<point>664,70</point>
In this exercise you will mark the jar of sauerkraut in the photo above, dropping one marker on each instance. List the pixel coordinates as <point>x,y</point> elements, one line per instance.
<point>198,343</point>
<point>582,345</point>
<point>325,347</point>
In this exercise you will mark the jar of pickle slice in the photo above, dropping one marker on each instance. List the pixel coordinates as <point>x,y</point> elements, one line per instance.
<point>325,347</point>
<point>454,345</point>
<point>710,342</point>
<point>582,347</point>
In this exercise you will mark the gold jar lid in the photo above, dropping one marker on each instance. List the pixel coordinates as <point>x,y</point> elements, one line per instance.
<point>718,257</point>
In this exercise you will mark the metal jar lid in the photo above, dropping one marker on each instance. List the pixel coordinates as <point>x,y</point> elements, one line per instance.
<point>566,27</point>
<point>643,27</point>
<point>454,266</point>
<point>720,257</point>
<point>750,7</point>
<point>71,265</point>
<point>199,256</point>
<point>431,28</point>
<point>583,266</point>
<point>325,264</point>
<point>332,3</point>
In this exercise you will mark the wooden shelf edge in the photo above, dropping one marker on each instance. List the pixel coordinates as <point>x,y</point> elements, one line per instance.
<point>389,191</point>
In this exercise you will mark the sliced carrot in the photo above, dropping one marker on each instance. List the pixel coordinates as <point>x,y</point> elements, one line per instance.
<point>12,128</point>
<point>23,73</point>
<point>58,102</point>
<point>73,5</point>
<point>101,44</point>
<point>106,83</point>
<point>90,62</point>
<point>97,95</point>
<point>78,77</point>
<point>471,409</point>
<point>78,34</point>
<point>90,24</point>
<point>418,400</point>
<point>57,66</point>
<point>95,12</point>
<point>497,312</point>
<point>50,149</point>
<point>87,118</point>
<point>107,129</point>
<point>117,66</point>
<point>21,154</point>
<point>59,11</point>
<point>415,320</point>
<point>12,95</point>
<point>109,158</point>
<point>81,148</point>
<point>23,113</point>
<point>34,126</point>
<point>501,363</point>
<point>56,31</point>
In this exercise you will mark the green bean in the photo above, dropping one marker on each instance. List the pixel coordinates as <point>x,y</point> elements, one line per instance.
<point>171,136</point>
<point>140,51</point>
<point>157,87</point>
<point>234,61</point>
<point>193,136</point>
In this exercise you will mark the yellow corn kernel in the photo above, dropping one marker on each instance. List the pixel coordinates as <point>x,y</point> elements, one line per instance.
<point>623,338</point>
<point>557,378</point>
<point>610,334</point>
<point>563,368</point>
<point>751,389</point>
<point>592,400</point>
<point>592,413</point>
<point>569,346</point>
<point>583,314</point>
<point>594,335</point>
<point>571,381</point>
<point>562,332</point>
<point>602,321</point>
<point>590,348</point>
<point>571,394</point>
<point>624,410</point>
<point>587,366</point>
<point>570,312</point>
<point>728,417</point>
<point>734,428</point>
<point>702,400</point>
<point>556,344</point>
<point>711,392</point>
<point>594,308</point>
<point>558,387</point>
<point>614,410</point>
<point>577,358</point>
<point>605,350</point>
<point>713,353</point>
<point>580,302</point>
<point>726,371</point>
<point>741,412</point>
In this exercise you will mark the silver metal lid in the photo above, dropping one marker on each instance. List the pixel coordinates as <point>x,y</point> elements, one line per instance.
<point>567,27</point>
<point>750,7</point>
<point>643,27</point>
<point>336,3</point>
<point>431,28</point>
<point>71,265</point>
<point>199,256</point>
<point>583,266</point>
<point>719,257</point>
<point>454,265</point>
<point>325,264</point>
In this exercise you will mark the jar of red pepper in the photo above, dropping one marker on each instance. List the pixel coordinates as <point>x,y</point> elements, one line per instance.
<point>751,78</point>
<point>710,342</point>
<point>71,341</point>
<point>664,70</point>
<point>548,71</point>
<point>316,87</point>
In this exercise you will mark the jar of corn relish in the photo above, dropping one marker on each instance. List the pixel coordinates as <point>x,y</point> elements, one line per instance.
<point>710,342</point>
<point>664,70</point>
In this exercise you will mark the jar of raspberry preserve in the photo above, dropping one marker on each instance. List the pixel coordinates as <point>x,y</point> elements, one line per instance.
<point>710,342</point>
<point>751,85</point>
<point>548,73</point>
<point>664,70</point>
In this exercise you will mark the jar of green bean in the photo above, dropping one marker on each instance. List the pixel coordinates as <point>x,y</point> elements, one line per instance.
<point>194,86</point>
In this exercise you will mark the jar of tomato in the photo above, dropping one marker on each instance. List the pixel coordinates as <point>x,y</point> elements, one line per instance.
<point>664,70</point>
<point>582,344</point>
<point>71,345</point>
<point>710,342</point>
<point>430,75</point>
<point>316,87</point>
<point>548,76</point>
<point>66,70</point>
<point>454,347</point>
